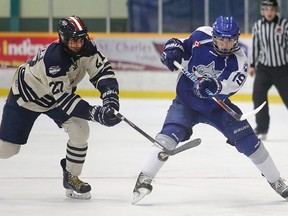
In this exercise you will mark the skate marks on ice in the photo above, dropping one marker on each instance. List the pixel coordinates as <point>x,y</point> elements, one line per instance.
<point>172,196</point>
<point>210,179</point>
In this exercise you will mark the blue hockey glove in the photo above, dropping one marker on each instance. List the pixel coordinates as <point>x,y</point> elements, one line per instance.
<point>110,99</point>
<point>206,87</point>
<point>104,115</point>
<point>173,51</point>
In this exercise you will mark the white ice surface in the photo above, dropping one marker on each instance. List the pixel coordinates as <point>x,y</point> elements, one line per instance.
<point>211,179</point>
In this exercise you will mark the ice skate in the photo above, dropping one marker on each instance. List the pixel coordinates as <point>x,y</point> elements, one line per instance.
<point>142,188</point>
<point>75,188</point>
<point>281,188</point>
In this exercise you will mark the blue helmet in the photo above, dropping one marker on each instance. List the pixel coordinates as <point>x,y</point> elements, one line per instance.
<point>225,28</point>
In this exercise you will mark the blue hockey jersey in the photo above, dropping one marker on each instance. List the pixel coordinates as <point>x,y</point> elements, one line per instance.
<point>230,70</point>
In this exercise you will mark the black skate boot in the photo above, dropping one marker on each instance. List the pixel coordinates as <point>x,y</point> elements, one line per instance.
<point>280,187</point>
<point>75,188</point>
<point>142,188</point>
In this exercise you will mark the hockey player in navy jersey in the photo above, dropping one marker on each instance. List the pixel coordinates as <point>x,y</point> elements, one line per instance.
<point>221,67</point>
<point>46,85</point>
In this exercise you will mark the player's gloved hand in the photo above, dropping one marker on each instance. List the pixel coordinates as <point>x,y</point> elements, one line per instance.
<point>173,51</point>
<point>110,99</point>
<point>104,115</point>
<point>206,87</point>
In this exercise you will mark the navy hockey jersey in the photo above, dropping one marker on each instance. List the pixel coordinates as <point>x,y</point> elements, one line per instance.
<point>49,79</point>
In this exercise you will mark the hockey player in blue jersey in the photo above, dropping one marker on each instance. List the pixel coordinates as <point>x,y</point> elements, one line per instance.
<point>221,67</point>
<point>46,84</point>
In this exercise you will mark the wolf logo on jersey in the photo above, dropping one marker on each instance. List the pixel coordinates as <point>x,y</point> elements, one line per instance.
<point>203,70</point>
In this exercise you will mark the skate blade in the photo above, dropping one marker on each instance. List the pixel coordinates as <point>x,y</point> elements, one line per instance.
<point>74,195</point>
<point>142,192</point>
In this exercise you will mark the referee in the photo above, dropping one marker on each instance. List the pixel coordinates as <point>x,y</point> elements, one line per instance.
<point>269,61</point>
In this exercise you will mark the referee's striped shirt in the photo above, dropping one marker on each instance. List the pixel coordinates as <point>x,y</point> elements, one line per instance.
<point>270,42</point>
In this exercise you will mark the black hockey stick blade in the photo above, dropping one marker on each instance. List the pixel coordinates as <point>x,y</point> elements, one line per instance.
<point>188,145</point>
<point>235,115</point>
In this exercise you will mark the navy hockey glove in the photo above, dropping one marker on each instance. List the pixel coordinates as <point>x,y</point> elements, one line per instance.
<point>206,87</point>
<point>104,115</point>
<point>111,99</point>
<point>173,51</point>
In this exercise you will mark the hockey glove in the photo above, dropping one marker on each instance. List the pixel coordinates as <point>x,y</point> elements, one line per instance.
<point>104,115</point>
<point>111,99</point>
<point>206,87</point>
<point>173,51</point>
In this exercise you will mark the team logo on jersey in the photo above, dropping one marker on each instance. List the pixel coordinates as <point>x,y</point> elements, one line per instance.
<point>54,69</point>
<point>206,70</point>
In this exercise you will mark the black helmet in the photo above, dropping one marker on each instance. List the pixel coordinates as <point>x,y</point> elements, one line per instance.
<point>272,3</point>
<point>71,27</point>
<point>269,3</point>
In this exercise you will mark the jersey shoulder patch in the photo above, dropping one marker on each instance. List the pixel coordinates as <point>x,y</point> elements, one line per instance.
<point>57,61</point>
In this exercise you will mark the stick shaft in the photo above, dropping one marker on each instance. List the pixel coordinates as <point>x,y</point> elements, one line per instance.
<point>188,145</point>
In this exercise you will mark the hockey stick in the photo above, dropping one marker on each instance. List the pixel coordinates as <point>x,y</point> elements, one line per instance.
<point>185,146</point>
<point>237,116</point>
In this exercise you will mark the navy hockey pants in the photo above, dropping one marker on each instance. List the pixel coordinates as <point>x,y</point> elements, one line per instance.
<point>17,121</point>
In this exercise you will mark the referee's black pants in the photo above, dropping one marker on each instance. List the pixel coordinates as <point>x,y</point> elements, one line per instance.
<point>264,79</point>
